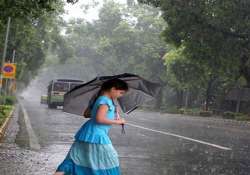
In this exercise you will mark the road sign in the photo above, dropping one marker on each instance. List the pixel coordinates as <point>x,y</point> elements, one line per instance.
<point>9,70</point>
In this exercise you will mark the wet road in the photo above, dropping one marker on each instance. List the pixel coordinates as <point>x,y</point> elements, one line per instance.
<point>154,143</point>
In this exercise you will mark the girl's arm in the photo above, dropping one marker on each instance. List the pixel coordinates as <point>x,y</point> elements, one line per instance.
<point>101,116</point>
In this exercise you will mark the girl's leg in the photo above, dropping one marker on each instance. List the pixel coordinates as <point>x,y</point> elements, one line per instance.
<point>59,173</point>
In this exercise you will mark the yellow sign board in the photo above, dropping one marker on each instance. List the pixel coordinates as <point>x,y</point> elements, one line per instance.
<point>9,70</point>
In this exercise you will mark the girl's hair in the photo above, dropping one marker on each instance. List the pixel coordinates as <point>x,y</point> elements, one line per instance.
<point>118,84</point>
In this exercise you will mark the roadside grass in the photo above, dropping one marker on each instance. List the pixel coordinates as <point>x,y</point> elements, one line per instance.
<point>9,100</point>
<point>4,112</point>
<point>201,113</point>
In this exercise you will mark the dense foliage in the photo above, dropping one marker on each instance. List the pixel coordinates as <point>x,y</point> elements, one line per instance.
<point>33,27</point>
<point>213,35</point>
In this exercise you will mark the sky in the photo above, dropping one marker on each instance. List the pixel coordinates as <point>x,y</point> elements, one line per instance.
<point>75,11</point>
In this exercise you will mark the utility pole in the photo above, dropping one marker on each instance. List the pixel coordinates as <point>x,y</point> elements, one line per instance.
<point>12,81</point>
<point>13,56</point>
<point>4,56</point>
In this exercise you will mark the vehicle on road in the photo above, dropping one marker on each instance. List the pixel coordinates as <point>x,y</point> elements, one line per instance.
<point>44,99</point>
<point>57,88</point>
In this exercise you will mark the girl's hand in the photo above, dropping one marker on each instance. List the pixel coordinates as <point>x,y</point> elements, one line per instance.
<point>101,116</point>
<point>121,121</point>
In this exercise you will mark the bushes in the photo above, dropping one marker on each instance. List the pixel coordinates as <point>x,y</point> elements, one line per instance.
<point>201,113</point>
<point>243,118</point>
<point>196,112</point>
<point>2,119</point>
<point>229,115</point>
<point>189,111</point>
<point>170,109</point>
<point>5,109</point>
<point>181,110</point>
<point>186,111</point>
<point>236,116</point>
<point>9,100</point>
<point>4,112</point>
<point>206,113</point>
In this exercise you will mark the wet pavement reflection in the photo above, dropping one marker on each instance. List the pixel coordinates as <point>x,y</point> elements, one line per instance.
<point>141,151</point>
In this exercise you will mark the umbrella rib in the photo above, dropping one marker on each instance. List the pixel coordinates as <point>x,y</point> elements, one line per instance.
<point>143,92</point>
<point>86,91</point>
<point>131,110</point>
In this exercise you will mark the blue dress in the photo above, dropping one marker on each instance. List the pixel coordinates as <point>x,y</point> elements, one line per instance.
<point>92,152</point>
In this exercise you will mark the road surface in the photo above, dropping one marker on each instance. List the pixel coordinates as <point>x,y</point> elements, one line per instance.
<point>154,143</point>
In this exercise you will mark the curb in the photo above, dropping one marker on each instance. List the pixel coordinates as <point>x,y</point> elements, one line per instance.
<point>5,124</point>
<point>33,140</point>
<point>212,118</point>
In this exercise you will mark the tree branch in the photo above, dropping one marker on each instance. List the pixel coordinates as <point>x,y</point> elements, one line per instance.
<point>204,22</point>
<point>72,1</point>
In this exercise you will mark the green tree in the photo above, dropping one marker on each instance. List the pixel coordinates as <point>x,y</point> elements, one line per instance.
<point>212,31</point>
<point>32,26</point>
<point>183,75</point>
<point>123,39</point>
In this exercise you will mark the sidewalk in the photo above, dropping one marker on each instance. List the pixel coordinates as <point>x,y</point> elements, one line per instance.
<point>15,160</point>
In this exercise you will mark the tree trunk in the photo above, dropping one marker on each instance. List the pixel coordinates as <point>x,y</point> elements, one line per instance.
<point>209,92</point>
<point>159,98</point>
<point>245,69</point>
<point>186,99</point>
<point>247,77</point>
<point>179,95</point>
<point>207,99</point>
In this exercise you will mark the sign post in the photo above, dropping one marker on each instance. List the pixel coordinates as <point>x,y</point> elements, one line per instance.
<point>9,73</point>
<point>3,58</point>
<point>9,70</point>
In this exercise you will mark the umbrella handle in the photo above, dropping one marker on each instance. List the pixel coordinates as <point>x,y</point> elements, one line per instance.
<point>118,117</point>
<point>123,129</point>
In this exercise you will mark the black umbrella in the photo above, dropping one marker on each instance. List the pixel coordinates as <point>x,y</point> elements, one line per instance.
<point>140,91</point>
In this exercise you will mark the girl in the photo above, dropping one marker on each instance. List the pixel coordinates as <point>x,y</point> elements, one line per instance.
<point>92,152</point>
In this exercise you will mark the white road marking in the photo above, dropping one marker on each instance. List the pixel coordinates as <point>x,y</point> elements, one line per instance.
<point>179,136</point>
<point>33,141</point>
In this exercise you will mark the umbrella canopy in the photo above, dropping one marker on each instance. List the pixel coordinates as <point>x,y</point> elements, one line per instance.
<point>140,91</point>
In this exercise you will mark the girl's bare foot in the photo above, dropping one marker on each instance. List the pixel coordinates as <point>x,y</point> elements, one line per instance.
<point>59,173</point>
